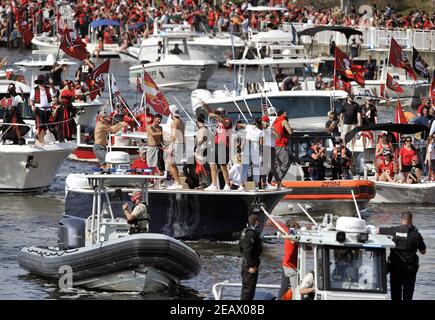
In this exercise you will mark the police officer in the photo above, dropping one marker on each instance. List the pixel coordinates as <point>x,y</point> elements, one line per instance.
<point>403,258</point>
<point>251,248</point>
<point>139,217</point>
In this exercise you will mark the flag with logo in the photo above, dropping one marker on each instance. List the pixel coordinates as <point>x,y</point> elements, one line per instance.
<point>73,45</point>
<point>95,79</point>
<point>341,83</point>
<point>393,85</point>
<point>154,97</point>
<point>419,65</point>
<point>399,117</point>
<point>399,59</point>
<point>345,67</point>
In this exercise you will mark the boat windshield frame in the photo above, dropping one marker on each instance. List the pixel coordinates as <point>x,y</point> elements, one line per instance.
<point>324,264</point>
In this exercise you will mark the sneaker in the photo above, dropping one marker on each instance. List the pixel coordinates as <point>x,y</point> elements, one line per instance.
<point>227,188</point>
<point>175,186</point>
<point>211,188</point>
<point>241,188</point>
<point>270,187</point>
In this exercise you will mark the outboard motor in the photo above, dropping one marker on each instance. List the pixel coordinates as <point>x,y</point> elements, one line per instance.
<point>71,233</point>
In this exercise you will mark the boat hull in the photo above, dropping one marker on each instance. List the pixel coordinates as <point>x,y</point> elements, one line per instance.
<point>15,177</point>
<point>188,75</point>
<point>190,214</point>
<point>421,193</point>
<point>326,196</point>
<point>142,262</point>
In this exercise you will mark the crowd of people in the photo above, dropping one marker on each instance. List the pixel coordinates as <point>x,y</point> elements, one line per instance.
<point>137,17</point>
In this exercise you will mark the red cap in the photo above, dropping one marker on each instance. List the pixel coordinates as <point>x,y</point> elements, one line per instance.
<point>66,93</point>
<point>265,119</point>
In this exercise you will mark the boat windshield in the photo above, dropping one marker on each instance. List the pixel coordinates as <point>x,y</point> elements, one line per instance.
<point>355,269</point>
<point>235,116</point>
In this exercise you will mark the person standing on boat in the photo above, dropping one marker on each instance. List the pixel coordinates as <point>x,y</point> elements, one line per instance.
<point>64,114</point>
<point>40,102</point>
<point>269,154</point>
<point>350,117</point>
<point>331,126</point>
<point>404,262</point>
<point>139,217</point>
<point>221,148</point>
<point>283,132</point>
<point>155,145</point>
<point>317,156</point>
<point>102,129</point>
<point>201,143</point>
<point>369,69</point>
<point>177,145</point>
<point>84,70</point>
<point>251,249</point>
<point>341,161</point>
<point>406,154</point>
<point>11,114</point>
<point>289,275</point>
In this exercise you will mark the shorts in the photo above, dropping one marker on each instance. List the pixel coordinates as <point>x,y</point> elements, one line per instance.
<point>347,128</point>
<point>221,154</point>
<point>100,152</point>
<point>43,118</point>
<point>153,156</point>
<point>406,168</point>
<point>177,153</point>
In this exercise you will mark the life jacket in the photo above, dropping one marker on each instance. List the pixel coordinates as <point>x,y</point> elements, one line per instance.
<point>281,133</point>
<point>315,163</point>
<point>335,156</point>
<point>140,225</point>
<point>38,94</point>
<point>242,242</point>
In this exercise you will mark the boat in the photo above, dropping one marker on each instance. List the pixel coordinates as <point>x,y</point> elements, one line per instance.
<point>348,261</point>
<point>318,197</point>
<point>186,214</point>
<point>101,254</point>
<point>110,50</point>
<point>175,70</point>
<point>306,109</point>
<point>218,47</point>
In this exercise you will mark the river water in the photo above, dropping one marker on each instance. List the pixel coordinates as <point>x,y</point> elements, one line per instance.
<point>31,219</point>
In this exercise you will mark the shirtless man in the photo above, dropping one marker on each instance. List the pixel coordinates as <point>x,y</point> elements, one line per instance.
<point>177,143</point>
<point>102,128</point>
<point>155,147</point>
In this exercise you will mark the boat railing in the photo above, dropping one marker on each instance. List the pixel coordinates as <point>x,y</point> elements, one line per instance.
<point>218,288</point>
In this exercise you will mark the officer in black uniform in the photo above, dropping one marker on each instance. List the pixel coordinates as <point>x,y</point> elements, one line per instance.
<point>403,258</point>
<point>251,248</point>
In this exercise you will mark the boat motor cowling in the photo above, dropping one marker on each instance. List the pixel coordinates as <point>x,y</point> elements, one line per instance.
<point>71,233</point>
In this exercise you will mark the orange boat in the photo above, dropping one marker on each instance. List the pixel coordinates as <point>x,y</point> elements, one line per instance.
<point>328,196</point>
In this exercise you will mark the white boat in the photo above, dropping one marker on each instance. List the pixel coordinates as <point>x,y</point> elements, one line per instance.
<point>31,167</point>
<point>217,47</point>
<point>176,70</point>
<point>306,109</point>
<point>347,259</point>
<point>405,193</point>
<point>44,42</point>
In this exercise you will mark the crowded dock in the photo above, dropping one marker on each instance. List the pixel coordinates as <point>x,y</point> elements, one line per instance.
<point>214,150</point>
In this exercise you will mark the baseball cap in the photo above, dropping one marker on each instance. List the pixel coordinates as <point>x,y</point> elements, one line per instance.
<point>174,110</point>
<point>135,195</point>
<point>220,110</point>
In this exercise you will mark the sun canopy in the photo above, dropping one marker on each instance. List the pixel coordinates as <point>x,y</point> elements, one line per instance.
<point>347,31</point>
<point>104,22</point>
<point>390,127</point>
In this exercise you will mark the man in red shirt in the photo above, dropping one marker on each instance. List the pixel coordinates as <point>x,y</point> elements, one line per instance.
<point>141,161</point>
<point>289,261</point>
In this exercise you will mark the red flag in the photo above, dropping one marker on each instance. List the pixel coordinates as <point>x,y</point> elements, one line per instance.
<point>24,29</point>
<point>341,84</point>
<point>399,59</point>
<point>399,117</point>
<point>392,84</point>
<point>72,45</point>
<point>344,66</point>
<point>95,80</point>
<point>154,97</point>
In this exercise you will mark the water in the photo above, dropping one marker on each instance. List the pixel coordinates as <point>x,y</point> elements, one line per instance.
<point>31,219</point>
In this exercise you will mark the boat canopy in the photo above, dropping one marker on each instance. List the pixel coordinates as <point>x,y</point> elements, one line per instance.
<point>405,128</point>
<point>104,22</point>
<point>273,36</point>
<point>347,31</point>
<point>135,25</point>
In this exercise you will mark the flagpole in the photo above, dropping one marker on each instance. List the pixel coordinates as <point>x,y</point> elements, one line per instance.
<point>175,98</point>
<point>109,79</point>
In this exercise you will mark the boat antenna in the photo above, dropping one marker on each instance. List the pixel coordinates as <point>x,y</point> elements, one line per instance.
<point>233,52</point>
<point>243,115</point>
<point>307,214</point>
<point>356,205</point>
<point>175,98</point>
<point>274,221</point>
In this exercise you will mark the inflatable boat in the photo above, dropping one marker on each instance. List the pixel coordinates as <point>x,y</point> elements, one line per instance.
<point>104,252</point>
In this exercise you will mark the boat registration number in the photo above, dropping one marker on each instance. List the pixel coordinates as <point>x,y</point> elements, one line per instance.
<point>328,184</point>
